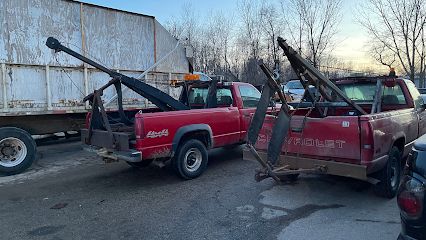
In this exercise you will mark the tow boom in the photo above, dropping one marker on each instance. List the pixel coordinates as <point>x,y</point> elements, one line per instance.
<point>154,95</point>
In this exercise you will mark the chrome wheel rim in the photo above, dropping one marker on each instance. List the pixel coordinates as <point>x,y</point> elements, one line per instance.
<point>193,159</point>
<point>12,152</point>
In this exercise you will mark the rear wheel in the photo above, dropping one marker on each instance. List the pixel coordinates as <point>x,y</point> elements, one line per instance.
<point>191,159</point>
<point>390,175</point>
<point>142,164</point>
<point>17,150</point>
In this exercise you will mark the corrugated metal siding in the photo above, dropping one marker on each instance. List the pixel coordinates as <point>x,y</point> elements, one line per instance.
<point>120,40</point>
<point>165,43</point>
<point>28,23</point>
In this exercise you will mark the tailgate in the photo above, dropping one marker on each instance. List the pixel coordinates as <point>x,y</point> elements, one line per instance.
<point>329,138</point>
<point>102,139</point>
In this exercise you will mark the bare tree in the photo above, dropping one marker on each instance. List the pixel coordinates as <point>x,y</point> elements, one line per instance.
<point>175,28</point>
<point>312,25</point>
<point>249,13</point>
<point>249,41</point>
<point>271,28</point>
<point>186,25</point>
<point>422,68</point>
<point>396,29</point>
<point>214,44</point>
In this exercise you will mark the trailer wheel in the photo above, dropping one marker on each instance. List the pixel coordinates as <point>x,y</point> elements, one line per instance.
<point>142,164</point>
<point>17,150</point>
<point>390,175</point>
<point>191,159</point>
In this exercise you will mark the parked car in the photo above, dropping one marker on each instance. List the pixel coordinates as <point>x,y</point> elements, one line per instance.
<point>411,194</point>
<point>295,89</point>
<point>422,90</point>
<point>288,97</point>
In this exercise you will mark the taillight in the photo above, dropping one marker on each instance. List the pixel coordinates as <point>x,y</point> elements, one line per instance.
<point>410,197</point>
<point>367,141</point>
<point>139,130</point>
<point>87,122</point>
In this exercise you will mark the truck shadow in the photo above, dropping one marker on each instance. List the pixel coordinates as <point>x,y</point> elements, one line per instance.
<point>222,162</point>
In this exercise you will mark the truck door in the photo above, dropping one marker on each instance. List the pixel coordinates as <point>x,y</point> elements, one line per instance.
<point>250,96</point>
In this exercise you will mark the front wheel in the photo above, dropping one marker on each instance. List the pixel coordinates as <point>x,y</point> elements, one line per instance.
<point>17,150</point>
<point>191,159</point>
<point>390,175</point>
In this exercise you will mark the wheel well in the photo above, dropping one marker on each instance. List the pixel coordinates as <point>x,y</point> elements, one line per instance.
<point>399,143</point>
<point>201,135</point>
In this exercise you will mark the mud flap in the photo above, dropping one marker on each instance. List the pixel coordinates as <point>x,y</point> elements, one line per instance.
<point>279,132</point>
<point>259,115</point>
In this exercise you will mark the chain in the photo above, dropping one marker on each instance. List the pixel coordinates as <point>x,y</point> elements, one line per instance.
<point>66,73</point>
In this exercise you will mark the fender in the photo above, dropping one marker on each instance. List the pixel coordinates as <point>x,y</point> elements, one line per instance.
<point>396,137</point>
<point>190,128</point>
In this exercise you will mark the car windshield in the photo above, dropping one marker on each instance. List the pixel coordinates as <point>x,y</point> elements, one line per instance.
<point>295,84</point>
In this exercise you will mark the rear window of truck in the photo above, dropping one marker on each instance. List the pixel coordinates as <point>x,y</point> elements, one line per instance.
<point>198,97</point>
<point>365,92</point>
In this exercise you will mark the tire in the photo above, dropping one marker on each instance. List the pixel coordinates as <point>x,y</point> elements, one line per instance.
<point>191,159</point>
<point>389,176</point>
<point>17,150</point>
<point>142,164</point>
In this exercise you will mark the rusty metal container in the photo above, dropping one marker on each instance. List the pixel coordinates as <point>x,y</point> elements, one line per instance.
<point>36,81</point>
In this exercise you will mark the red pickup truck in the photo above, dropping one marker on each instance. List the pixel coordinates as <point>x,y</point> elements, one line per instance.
<point>183,136</point>
<point>370,147</point>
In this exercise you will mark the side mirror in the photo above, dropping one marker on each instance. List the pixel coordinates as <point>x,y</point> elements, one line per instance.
<point>424,101</point>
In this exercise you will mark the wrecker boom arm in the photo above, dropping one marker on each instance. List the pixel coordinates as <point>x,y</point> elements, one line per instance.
<point>306,71</point>
<point>162,100</point>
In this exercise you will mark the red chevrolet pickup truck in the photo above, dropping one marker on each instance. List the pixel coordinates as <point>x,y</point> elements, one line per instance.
<point>184,136</point>
<point>371,147</point>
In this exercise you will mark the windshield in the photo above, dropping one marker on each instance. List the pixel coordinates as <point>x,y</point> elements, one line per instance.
<point>295,84</point>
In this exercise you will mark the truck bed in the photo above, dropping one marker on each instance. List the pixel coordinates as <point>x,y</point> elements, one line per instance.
<point>344,139</point>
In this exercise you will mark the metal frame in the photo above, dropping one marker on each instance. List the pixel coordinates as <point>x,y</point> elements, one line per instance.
<point>294,165</point>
